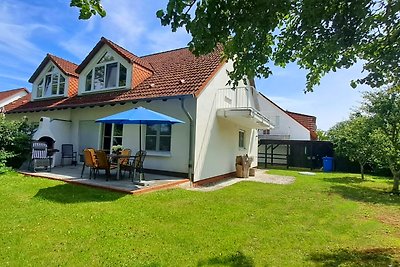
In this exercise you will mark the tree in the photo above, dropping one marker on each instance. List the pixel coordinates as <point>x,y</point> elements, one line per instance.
<point>352,138</point>
<point>320,36</point>
<point>383,107</point>
<point>88,8</point>
<point>15,139</point>
<point>322,135</point>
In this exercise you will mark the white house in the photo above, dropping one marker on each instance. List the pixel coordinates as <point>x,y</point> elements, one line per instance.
<point>220,122</point>
<point>9,96</point>
<point>287,125</point>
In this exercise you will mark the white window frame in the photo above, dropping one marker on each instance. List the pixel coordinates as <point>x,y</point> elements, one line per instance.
<point>112,136</point>
<point>104,64</point>
<point>51,70</point>
<point>158,136</point>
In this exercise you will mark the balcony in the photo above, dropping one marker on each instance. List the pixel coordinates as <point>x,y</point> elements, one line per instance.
<point>239,106</point>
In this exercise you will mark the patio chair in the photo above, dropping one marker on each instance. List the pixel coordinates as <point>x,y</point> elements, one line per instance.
<point>67,152</point>
<point>89,157</point>
<point>40,157</point>
<point>137,163</point>
<point>103,163</point>
<point>124,162</point>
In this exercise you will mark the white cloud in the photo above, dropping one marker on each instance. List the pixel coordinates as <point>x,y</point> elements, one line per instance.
<point>164,39</point>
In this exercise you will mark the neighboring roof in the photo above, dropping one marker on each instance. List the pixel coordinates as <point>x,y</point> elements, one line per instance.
<point>9,93</point>
<point>175,73</point>
<point>131,58</point>
<point>67,67</point>
<point>307,121</point>
<point>20,101</point>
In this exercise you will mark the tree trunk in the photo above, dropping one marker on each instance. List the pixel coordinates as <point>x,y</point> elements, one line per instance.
<point>396,179</point>
<point>362,170</point>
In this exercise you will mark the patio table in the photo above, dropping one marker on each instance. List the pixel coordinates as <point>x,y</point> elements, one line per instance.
<point>118,157</point>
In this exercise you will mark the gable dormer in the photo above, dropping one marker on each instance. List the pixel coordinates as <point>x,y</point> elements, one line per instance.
<point>54,78</point>
<point>109,67</point>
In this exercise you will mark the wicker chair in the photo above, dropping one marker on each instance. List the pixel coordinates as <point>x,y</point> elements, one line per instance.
<point>90,161</point>
<point>103,163</point>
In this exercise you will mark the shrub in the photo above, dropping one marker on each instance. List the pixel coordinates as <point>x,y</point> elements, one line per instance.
<point>15,138</point>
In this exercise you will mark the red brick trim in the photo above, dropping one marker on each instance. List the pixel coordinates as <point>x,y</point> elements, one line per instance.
<point>214,179</point>
<point>159,187</point>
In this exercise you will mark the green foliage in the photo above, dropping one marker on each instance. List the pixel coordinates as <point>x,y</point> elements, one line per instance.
<point>15,139</point>
<point>383,107</point>
<point>88,8</point>
<point>322,135</point>
<point>353,139</point>
<point>320,36</point>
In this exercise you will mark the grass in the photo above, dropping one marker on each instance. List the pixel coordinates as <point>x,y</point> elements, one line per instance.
<point>323,220</point>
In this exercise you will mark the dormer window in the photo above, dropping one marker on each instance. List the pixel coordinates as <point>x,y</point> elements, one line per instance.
<point>52,84</point>
<point>108,73</point>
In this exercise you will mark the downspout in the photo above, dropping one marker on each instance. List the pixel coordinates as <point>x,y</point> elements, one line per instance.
<point>191,138</point>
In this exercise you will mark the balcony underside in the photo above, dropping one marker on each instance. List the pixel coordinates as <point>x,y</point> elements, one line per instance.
<point>246,117</point>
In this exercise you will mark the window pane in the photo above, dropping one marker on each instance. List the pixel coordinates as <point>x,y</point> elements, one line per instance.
<point>99,78</point>
<point>54,84</point>
<point>47,85</point>
<point>152,129</point>
<point>118,129</point>
<point>39,92</point>
<point>88,85</point>
<point>117,141</point>
<point>62,79</point>
<point>165,129</point>
<point>111,75</point>
<point>122,75</point>
<point>165,143</point>
<point>107,129</point>
<point>106,58</point>
<point>61,88</point>
<point>241,139</point>
<point>151,142</point>
<point>106,143</point>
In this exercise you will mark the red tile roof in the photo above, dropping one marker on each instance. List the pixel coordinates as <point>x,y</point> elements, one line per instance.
<point>175,73</point>
<point>9,93</point>
<point>67,67</point>
<point>19,102</point>
<point>307,121</point>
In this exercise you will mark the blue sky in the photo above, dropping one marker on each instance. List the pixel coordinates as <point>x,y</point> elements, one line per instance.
<point>30,29</point>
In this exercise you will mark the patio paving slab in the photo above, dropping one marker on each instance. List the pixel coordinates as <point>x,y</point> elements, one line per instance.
<point>72,174</point>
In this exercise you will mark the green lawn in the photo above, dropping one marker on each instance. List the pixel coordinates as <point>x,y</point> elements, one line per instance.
<point>323,220</point>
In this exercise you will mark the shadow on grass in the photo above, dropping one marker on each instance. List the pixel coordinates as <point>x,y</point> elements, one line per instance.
<point>237,259</point>
<point>365,194</point>
<point>344,180</point>
<point>367,257</point>
<point>67,193</point>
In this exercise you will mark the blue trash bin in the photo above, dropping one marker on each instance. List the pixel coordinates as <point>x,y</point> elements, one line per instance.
<point>327,163</point>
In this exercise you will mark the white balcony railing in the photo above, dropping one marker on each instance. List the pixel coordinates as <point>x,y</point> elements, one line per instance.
<point>240,97</point>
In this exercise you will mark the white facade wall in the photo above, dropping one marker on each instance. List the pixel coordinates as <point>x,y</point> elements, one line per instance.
<point>176,161</point>
<point>217,140</point>
<point>285,127</point>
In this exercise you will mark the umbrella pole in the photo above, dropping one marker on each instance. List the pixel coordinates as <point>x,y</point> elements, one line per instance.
<point>140,149</point>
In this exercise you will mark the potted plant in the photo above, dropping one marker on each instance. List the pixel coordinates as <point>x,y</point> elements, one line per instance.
<point>116,149</point>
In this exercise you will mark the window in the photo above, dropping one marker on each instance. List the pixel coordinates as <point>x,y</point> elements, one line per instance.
<point>112,136</point>
<point>52,84</point>
<point>158,137</point>
<point>107,74</point>
<point>241,139</point>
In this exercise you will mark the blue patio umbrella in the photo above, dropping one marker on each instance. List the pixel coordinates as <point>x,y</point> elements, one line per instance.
<point>139,116</point>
